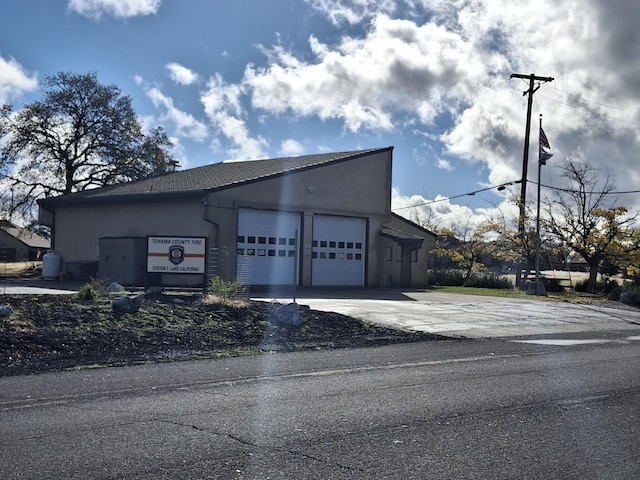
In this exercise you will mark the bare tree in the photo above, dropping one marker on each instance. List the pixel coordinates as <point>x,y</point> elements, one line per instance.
<point>585,218</point>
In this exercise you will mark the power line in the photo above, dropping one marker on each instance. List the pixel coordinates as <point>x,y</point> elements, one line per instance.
<point>500,187</point>
<point>597,103</point>
<point>569,190</point>
<point>587,109</point>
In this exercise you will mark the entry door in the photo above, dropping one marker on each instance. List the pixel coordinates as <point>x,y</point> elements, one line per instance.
<point>338,255</point>
<point>267,247</point>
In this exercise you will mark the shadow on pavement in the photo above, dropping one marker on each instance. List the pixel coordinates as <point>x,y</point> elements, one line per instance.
<point>329,292</point>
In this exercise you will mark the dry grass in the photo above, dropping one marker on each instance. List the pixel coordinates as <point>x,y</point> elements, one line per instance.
<point>20,269</point>
<point>227,302</point>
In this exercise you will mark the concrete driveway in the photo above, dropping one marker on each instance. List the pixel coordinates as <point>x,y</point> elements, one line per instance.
<point>454,315</point>
<point>33,286</point>
<point>468,316</point>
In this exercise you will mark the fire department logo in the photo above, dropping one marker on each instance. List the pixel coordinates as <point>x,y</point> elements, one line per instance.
<point>176,254</point>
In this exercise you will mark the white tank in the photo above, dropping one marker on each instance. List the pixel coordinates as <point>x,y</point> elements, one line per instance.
<point>51,266</point>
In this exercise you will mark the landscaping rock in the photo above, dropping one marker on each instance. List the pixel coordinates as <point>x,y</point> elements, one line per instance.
<point>630,298</point>
<point>286,315</point>
<point>6,311</point>
<point>127,304</point>
<point>115,288</point>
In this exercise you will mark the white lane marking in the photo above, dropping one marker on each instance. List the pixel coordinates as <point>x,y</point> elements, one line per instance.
<point>563,343</point>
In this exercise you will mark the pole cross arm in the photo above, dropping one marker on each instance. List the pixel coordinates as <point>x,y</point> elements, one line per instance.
<point>533,77</point>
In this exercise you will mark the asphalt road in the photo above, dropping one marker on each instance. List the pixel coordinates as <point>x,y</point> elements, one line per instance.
<point>452,409</point>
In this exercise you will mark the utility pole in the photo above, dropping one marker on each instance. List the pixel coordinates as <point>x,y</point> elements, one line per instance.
<point>525,156</point>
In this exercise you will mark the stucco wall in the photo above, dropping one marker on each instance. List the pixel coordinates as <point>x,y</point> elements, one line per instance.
<point>391,268</point>
<point>358,187</point>
<point>78,227</point>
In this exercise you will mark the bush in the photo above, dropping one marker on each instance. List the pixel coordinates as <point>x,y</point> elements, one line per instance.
<point>225,290</point>
<point>553,285</point>
<point>630,293</point>
<point>455,278</point>
<point>92,290</point>
<point>492,280</point>
<point>449,278</point>
<point>581,286</point>
<point>610,289</point>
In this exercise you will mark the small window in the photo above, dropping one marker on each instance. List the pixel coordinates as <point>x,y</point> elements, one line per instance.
<point>358,256</point>
<point>340,244</point>
<point>272,253</point>
<point>314,255</point>
<point>332,244</point>
<point>251,239</point>
<point>262,240</point>
<point>323,255</point>
<point>250,252</point>
<point>282,253</point>
<point>272,240</point>
<point>241,251</point>
<point>323,244</point>
<point>349,244</point>
<point>358,245</point>
<point>262,252</point>
<point>349,256</point>
<point>292,241</point>
<point>332,256</point>
<point>240,238</point>
<point>292,253</point>
<point>282,241</point>
<point>315,243</point>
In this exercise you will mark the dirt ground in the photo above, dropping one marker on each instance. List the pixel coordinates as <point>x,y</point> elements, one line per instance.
<point>57,332</point>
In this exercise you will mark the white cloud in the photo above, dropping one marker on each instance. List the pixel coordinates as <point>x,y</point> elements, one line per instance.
<point>352,11</point>
<point>444,164</point>
<point>223,106</point>
<point>291,148</point>
<point>181,75</point>
<point>440,212</point>
<point>116,8</point>
<point>14,80</point>
<point>186,125</point>
<point>397,68</point>
<point>431,63</point>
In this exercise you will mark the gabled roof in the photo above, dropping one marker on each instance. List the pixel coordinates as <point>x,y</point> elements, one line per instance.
<point>208,178</point>
<point>28,238</point>
<point>400,237</point>
<point>398,232</point>
<point>413,224</point>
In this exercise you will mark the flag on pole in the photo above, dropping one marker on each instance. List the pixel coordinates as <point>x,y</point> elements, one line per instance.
<point>543,155</point>
<point>543,139</point>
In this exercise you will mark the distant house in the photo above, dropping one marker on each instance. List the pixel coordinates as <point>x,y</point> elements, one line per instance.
<point>314,220</point>
<point>18,244</point>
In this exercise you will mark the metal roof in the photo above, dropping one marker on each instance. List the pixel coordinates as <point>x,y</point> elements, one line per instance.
<point>210,177</point>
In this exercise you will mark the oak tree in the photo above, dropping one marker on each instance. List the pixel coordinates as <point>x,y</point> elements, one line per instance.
<point>585,218</point>
<point>80,135</point>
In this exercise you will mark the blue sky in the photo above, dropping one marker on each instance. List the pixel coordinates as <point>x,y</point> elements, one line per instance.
<point>250,79</point>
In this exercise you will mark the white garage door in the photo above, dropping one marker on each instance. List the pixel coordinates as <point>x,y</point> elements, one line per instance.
<point>338,255</point>
<point>267,246</point>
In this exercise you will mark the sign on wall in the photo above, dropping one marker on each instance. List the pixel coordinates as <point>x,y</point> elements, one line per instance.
<point>176,255</point>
